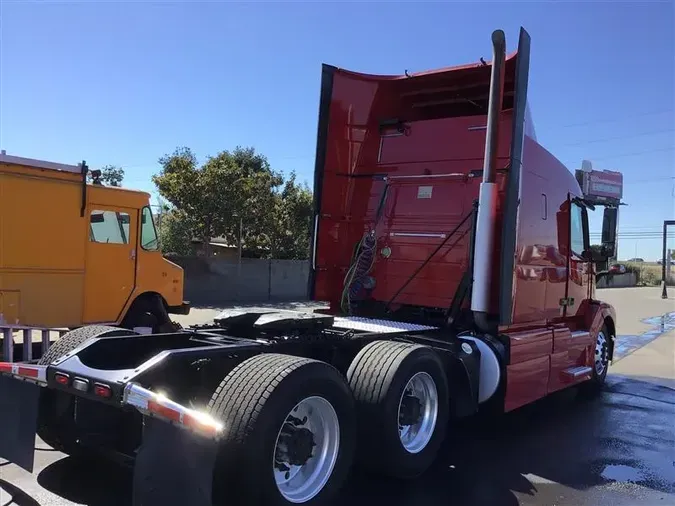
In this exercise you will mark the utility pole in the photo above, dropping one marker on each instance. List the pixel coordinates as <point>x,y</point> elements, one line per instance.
<point>669,263</point>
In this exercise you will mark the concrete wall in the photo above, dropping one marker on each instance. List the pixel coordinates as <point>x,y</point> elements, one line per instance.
<point>216,281</point>
<point>617,280</point>
<point>289,279</point>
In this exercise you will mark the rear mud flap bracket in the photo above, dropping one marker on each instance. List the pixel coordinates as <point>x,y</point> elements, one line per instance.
<point>173,467</point>
<point>19,404</point>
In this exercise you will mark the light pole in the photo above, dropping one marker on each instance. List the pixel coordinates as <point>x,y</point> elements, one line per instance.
<point>241,237</point>
<point>240,241</point>
<point>664,292</point>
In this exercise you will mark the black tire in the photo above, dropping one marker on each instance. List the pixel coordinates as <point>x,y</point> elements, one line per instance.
<point>149,311</point>
<point>55,427</point>
<point>252,402</point>
<point>595,385</point>
<point>141,314</point>
<point>378,376</point>
<point>71,340</point>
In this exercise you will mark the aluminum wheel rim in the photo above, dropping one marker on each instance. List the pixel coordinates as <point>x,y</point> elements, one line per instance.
<point>301,483</point>
<point>600,354</point>
<point>416,436</point>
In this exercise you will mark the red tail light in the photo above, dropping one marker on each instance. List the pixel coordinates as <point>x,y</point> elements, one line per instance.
<point>101,390</point>
<point>61,379</point>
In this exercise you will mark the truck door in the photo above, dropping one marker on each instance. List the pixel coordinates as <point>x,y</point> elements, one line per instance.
<point>577,279</point>
<point>110,269</point>
<point>578,344</point>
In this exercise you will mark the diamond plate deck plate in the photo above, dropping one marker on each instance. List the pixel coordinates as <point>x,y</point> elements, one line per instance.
<point>378,326</point>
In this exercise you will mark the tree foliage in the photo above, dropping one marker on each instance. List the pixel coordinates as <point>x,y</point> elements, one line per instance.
<point>111,175</point>
<point>231,188</point>
<point>175,232</point>
<point>290,231</point>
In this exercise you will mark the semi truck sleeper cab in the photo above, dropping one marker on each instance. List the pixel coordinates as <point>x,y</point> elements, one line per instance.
<point>453,250</point>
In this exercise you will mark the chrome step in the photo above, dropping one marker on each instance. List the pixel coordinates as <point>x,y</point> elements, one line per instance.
<point>576,373</point>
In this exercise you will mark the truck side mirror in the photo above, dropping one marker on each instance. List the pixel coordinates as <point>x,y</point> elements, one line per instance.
<point>596,256</point>
<point>609,223</point>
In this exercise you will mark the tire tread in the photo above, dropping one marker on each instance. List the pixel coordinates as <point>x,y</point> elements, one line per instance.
<point>240,397</point>
<point>374,377</point>
<point>246,401</point>
<point>372,367</point>
<point>75,338</point>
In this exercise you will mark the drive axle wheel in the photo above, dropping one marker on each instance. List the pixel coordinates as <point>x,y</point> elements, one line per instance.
<point>402,399</point>
<point>306,449</point>
<point>289,431</point>
<point>418,412</point>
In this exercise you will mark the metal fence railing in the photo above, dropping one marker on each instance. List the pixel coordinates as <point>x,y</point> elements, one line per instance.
<point>20,338</point>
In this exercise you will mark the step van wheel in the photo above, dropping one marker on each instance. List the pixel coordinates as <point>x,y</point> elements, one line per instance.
<point>402,404</point>
<point>289,432</point>
<point>56,427</point>
<point>144,314</point>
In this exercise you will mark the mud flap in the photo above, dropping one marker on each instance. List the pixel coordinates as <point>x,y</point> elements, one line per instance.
<point>173,467</point>
<point>19,402</point>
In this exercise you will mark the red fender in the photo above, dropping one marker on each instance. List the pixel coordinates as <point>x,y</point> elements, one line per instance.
<point>597,314</point>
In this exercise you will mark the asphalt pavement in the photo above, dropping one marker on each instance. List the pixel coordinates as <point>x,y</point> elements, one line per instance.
<point>617,449</point>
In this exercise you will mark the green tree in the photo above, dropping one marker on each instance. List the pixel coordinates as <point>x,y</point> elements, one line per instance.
<point>226,188</point>
<point>111,175</point>
<point>175,232</point>
<point>290,229</point>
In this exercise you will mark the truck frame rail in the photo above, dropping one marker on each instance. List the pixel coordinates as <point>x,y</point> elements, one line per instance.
<point>155,388</point>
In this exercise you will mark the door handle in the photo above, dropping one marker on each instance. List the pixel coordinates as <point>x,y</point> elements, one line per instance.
<point>132,254</point>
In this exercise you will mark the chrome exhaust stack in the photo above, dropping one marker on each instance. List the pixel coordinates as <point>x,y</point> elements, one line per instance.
<point>487,199</point>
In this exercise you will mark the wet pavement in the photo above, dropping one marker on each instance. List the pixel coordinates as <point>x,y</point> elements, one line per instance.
<point>615,450</point>
<point>627,344</point>
<point>618,449</point>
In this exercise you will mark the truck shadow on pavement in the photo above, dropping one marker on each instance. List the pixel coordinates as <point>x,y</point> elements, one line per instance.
<point>520,458</point>
<point>17,497</point>
<point>95,483</point>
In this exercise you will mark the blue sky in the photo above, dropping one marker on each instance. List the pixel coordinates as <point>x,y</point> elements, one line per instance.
<point>126,82</point>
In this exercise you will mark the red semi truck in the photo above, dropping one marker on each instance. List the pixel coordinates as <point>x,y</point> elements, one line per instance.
<point>454,252</point>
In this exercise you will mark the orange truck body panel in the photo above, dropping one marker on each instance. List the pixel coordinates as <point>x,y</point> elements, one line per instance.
<point>52,272</point>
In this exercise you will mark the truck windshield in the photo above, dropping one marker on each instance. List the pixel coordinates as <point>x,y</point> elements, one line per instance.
<point>148,232</point>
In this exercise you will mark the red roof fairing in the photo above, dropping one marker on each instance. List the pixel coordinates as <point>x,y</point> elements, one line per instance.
<point>425,133</point>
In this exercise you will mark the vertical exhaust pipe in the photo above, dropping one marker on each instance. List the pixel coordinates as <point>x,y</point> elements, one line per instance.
<point>487,200</point>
